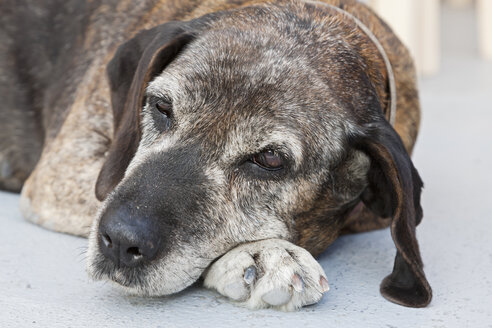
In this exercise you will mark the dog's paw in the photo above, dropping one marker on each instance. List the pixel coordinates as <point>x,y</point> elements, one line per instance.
<point>268,273</point>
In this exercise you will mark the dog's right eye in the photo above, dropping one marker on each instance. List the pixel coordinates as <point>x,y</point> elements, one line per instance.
<point>165,109</point>
<point>268,160</point>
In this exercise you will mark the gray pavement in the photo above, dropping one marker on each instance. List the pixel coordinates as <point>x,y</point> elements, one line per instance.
<point>43,281</point>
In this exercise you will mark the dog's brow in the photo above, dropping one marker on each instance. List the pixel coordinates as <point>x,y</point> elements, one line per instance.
<point>283,140</point>
<point>288,140</point>
<point>164,85</point>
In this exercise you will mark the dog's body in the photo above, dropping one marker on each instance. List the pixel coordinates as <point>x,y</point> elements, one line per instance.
<point>297,84</point>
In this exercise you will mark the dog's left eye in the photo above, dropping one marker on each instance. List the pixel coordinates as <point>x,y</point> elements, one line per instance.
<point>268,160</point>
<point>165,107</point>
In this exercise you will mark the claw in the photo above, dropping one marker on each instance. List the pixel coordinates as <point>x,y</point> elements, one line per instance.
<point>324,284</point>
<point>250,275</point>
<point>297,283</point>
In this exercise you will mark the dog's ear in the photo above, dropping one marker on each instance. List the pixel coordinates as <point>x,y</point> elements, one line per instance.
<point>133,66</point>
<point>394,191</point>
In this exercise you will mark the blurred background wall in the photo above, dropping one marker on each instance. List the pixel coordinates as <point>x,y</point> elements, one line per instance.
<point>418,23</point>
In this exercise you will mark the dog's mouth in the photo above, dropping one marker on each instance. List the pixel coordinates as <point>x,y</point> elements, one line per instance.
<point>102,269</point>
<point>163,277</point>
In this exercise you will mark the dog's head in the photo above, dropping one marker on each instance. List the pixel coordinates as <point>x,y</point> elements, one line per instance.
<point>237,127</point>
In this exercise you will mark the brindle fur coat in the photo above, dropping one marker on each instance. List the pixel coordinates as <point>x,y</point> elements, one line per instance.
<point>75,127</point>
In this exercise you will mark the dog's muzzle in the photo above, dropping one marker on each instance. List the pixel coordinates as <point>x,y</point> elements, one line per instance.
<point>152,210</point>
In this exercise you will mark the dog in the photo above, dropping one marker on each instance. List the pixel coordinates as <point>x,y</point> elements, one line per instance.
<point>229,140</point>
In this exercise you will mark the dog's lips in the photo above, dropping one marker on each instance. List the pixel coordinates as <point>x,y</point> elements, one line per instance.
<point>102,269</point>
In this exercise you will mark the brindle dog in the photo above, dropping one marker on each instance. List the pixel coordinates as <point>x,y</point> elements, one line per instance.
<point>255,132</point>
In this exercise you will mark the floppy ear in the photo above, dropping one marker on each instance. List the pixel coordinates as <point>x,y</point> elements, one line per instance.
<point>135,63</point>
<point>394,191</point>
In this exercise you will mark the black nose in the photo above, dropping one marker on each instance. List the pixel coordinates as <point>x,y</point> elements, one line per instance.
<point>127,240</point>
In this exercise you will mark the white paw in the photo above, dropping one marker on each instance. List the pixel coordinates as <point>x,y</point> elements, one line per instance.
<point>268,273</point>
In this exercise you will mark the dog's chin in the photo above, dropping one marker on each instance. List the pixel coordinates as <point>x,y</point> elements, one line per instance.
<point>134,289</point>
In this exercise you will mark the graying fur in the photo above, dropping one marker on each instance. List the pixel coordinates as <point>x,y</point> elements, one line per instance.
<point>215,80</point>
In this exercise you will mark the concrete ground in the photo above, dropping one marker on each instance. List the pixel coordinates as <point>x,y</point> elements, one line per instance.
<point>43,281</point>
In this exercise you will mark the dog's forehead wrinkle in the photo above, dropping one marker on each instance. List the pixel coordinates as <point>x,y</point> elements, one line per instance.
<point>226,53</point>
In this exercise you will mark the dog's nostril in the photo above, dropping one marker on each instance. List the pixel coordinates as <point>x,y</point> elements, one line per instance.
<point>135,251</point>
<point>107,241</point>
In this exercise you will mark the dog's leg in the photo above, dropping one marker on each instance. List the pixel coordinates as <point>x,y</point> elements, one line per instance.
<point>268,273</point>
<point>21,132</point>
<point>59,194</point>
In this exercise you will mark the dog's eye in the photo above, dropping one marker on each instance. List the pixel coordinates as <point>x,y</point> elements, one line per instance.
<point>268,160</point>
<point>164,107</point>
